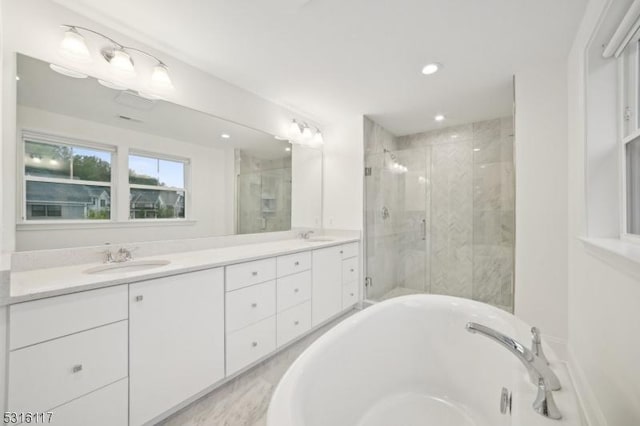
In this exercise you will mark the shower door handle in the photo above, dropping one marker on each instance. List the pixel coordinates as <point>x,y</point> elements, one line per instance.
<point>424,229</point>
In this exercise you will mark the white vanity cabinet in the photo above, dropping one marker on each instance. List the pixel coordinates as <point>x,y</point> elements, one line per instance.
<point>326,296</point>
<point>68,355</point>
<point>176,340</point>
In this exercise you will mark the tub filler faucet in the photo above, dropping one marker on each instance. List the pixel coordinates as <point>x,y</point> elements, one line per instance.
<point>535,362</point>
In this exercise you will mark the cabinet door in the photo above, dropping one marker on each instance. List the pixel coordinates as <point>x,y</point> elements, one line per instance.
<point>326,294</point>
<point>176,340</point>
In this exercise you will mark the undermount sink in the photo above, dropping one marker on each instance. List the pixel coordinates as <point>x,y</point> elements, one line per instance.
<point>319,239</point>
<point>124,267</point>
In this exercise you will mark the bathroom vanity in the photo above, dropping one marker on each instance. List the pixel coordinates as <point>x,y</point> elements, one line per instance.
<point>130,348</point>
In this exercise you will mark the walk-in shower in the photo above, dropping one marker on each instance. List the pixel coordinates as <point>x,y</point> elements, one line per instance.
<point>439,212</point>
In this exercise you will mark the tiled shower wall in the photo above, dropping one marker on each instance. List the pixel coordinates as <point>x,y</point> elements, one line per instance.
<point>446,226</point>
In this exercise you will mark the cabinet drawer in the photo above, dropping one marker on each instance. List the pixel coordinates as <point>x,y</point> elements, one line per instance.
<point>46,375</point>
<point>108,406</point>
<point>293,322</point>
<point>293,263</point>
<point>46,319</point>
<point>349,270</point>
<point>349,250</point>
<point>293,290</point>
<point>349,294</point>
<point>250,305</point>
<point>249,273</point>
<point>250,344</point>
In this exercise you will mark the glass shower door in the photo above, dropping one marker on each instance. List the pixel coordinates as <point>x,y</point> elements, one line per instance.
<point>396,222</point>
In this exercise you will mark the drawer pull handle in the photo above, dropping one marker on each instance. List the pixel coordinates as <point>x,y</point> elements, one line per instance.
<point>351,269</point>
<point>139,298</point>
<point>254,305</point>
<point>254,344</point>
<point>297,263</point>
<point>76,368</point>
<point>296,323</point>
<point>351,294</point>
<point>254,273</point>
<point>295,290</point>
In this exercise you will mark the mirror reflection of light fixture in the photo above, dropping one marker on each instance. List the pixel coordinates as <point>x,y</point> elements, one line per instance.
<point>74,48</point>
<point>67,71</point>
<point>111,85</point>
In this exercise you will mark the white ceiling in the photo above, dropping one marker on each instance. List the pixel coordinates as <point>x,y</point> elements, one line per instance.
<point>336,58</point>
<point>40,87</point>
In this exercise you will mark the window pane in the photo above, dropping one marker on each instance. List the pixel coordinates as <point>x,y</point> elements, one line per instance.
<point>46,200</point>
<point>91,164</point>
<point>171,173</point>
<point>156,204</point>
<point>46,160</point>
<point>143,170</point>
<point>156,172</point>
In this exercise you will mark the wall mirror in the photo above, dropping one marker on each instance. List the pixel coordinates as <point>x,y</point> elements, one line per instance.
<point>93,154</point>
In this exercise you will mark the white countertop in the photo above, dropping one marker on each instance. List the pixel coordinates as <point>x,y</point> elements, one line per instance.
<point>42,283</point>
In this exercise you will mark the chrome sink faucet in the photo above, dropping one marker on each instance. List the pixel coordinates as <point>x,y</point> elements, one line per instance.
<point>122,255</point>
<point>539,371</point>
<point>305,235</point>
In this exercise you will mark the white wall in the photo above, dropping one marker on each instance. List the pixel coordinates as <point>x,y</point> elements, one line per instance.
<point>209,191</point>
<point>603,305</point>
<point>541,208</point>
<point>344,174</point>
<point>194,88</point>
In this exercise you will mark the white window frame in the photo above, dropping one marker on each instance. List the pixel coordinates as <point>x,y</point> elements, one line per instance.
<point>51,139</point>
<point>186,179</point>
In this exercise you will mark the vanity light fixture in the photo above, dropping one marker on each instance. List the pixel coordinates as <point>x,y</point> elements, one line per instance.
<point>306,132</point>
<point>301,133</point>
<point>439,117</point>
<point>74,48</point>
<point>431,68</point>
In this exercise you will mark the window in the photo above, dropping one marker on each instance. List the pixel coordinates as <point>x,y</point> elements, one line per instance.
<point>156,187</point>
<point>64,181</point>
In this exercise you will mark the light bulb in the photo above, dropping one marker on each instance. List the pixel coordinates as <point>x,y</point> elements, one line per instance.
<point>306,133</point>
<point>317,138</point>
<point>122,64</point>
<point>160,77</point>
<point>73,47</point>
<point>294,130</point>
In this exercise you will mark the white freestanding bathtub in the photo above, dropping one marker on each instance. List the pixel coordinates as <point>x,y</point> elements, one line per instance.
<point>410,361</point>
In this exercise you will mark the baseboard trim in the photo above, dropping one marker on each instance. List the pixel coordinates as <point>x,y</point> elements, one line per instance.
<point>589,405</point>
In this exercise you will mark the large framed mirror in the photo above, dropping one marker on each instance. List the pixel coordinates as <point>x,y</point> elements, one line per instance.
<point>93,154</point>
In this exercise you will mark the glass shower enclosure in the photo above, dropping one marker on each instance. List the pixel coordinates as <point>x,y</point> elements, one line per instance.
<point>439,212</point>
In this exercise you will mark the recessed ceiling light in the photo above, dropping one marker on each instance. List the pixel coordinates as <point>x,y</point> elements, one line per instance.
<point>439,117</point>
<point>476,149</point>
<point>431,68</point>
<point>225,136</point>
<point>17,78</point>
<point>288,149</point>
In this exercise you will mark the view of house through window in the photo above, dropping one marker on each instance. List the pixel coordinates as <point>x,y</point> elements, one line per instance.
<point>66,182</point>
<point>156,188</point>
